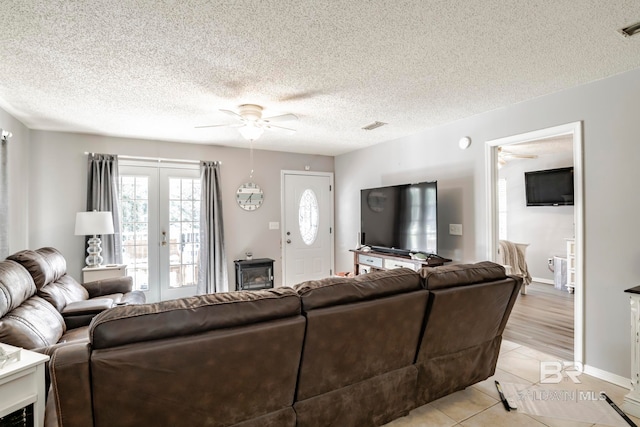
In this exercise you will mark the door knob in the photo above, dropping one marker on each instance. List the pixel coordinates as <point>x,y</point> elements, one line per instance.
<point>288,240</point>
<point>163,242</point>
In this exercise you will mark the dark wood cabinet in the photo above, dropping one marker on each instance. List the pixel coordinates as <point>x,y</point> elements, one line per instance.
<point>382,261</point>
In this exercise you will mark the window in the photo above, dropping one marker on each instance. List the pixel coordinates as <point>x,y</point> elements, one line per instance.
<point>134,205</point>
<point>184,231</point>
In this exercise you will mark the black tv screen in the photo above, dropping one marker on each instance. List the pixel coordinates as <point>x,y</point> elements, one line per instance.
<point>551,187</point>
<point>400,217</point>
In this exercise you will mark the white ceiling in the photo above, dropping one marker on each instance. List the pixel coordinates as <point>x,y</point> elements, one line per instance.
<point>156,69</point>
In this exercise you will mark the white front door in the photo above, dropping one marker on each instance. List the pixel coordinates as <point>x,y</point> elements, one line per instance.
<point>307,232</point>
<point>160,211</point>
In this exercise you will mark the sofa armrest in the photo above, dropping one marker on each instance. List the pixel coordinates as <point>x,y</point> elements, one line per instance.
<point>71,385</point>
<point>113,285</point>
<point>90,306</point>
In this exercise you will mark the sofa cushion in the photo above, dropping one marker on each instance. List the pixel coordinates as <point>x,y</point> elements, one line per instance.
<point>16,286</point>
<point>134,323</point>
<point>45,265</point>
<point>343,290</point>
<point>63,291</point>
<point>75,335</point>
<point>35,323</point>
<point>448,276</point>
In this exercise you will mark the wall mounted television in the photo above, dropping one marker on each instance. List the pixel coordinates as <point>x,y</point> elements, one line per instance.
<point>401,218</point>
<point>551,187</point>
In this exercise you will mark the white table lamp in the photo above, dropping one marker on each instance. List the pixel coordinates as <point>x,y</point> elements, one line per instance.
<point>94,224</point>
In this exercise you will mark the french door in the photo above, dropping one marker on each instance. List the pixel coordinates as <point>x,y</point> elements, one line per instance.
<point>160,211</point>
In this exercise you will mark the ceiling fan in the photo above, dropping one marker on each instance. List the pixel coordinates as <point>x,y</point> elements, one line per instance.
<point>251,125</point>
<point>504,156</point>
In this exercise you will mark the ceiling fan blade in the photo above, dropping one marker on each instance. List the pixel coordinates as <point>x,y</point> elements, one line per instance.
<point>280,118</point>
<point>233,114</point>
<point>210,126</point>
<point>280,129</point>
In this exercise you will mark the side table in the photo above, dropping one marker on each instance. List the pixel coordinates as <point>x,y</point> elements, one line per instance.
<point>22,384</point>
<point>91,274</point>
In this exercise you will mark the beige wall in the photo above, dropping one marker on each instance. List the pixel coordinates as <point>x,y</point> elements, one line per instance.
<point>57,190</point>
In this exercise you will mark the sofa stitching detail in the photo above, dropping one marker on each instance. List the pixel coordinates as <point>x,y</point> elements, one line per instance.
<point>346,282</point>
<point>29,326</point>
<point>124,315</point>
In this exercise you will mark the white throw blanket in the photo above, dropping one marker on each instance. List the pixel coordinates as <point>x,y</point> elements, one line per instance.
<point>513,255</point>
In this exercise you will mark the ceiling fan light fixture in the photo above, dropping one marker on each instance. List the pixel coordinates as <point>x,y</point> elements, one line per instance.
<point>250,131</point>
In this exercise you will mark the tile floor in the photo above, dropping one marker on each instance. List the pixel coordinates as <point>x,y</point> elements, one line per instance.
<point>479,405</point>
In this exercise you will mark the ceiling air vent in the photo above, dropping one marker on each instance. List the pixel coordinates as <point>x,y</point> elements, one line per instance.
<point>631,30</point>
<point>374,125</point>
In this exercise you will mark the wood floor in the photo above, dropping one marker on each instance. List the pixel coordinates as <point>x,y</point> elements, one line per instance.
<point>543,320</point>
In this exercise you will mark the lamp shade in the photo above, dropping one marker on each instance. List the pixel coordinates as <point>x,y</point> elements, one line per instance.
<point>93,223</point>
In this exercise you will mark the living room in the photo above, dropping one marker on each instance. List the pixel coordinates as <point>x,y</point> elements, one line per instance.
<point>47,175</point>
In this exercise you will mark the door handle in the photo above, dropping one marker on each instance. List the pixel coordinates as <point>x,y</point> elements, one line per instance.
<point>288,240</point>
<point>163,242</point>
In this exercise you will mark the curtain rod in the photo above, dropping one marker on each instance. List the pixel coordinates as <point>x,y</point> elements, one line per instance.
<point>155,159</point>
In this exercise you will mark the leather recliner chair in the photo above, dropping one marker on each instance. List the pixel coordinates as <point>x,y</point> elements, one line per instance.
<point>78,303</point>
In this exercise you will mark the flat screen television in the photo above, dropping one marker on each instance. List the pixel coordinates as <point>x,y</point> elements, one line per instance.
<point>551,187</point>
<point>400,218</point>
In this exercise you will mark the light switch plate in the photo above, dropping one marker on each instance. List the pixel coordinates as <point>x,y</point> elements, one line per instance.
<point>274,226</point>
<point>455,229</point>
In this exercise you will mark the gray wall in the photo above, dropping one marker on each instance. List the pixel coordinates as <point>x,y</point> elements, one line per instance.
<point>544,228</point>
<point>57,190</point>
<point>18,150</point>
<point>608,109</point>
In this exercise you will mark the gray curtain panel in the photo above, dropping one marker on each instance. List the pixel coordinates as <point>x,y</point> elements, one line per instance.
<point>4,199</point>
<point>213,276</point>
<point>102,196</point>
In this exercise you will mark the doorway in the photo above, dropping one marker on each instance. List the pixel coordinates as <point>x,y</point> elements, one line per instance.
<point>492,149</point>
<point>160,221</point>
<point>307,231</point>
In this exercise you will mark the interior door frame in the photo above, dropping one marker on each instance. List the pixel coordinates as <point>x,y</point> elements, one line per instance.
<point>283,174</point>
<point>491,159</point>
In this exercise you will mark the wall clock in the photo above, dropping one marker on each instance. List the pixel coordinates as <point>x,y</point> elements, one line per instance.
<point>249,196</point>
<point>376,200</point>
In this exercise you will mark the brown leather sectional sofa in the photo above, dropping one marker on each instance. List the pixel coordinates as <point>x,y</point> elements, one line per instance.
<point>334,352</point>
<point>41,305</point>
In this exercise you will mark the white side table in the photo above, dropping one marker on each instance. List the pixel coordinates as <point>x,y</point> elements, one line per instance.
<point>631,403</point>
<point>91,274</point>
<point>22,384</point>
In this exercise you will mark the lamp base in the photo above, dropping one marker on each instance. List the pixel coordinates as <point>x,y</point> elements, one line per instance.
<point>94,259</point>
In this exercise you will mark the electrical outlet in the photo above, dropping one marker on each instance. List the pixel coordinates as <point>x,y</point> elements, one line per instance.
<point>455,229</point>
<point>274,226</point>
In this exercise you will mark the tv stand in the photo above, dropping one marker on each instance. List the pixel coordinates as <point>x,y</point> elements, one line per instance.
<point>385,261</point>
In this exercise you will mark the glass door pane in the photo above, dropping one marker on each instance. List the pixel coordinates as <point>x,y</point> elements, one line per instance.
<point>181,223</point>
<point>139,214</point>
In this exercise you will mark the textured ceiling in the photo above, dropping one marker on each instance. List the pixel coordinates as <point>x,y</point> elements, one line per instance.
<point>156,69</point>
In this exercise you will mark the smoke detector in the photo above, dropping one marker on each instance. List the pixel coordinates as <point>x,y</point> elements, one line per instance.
<point>374,125</point>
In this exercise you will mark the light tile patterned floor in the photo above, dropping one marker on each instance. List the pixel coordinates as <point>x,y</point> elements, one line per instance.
<point>479,405</point>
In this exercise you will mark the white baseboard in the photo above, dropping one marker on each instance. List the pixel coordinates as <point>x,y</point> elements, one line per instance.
<point>608,376</point>
<point>546,281</point>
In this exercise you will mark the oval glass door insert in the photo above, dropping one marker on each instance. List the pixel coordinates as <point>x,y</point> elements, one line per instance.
<point>308,217</point>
